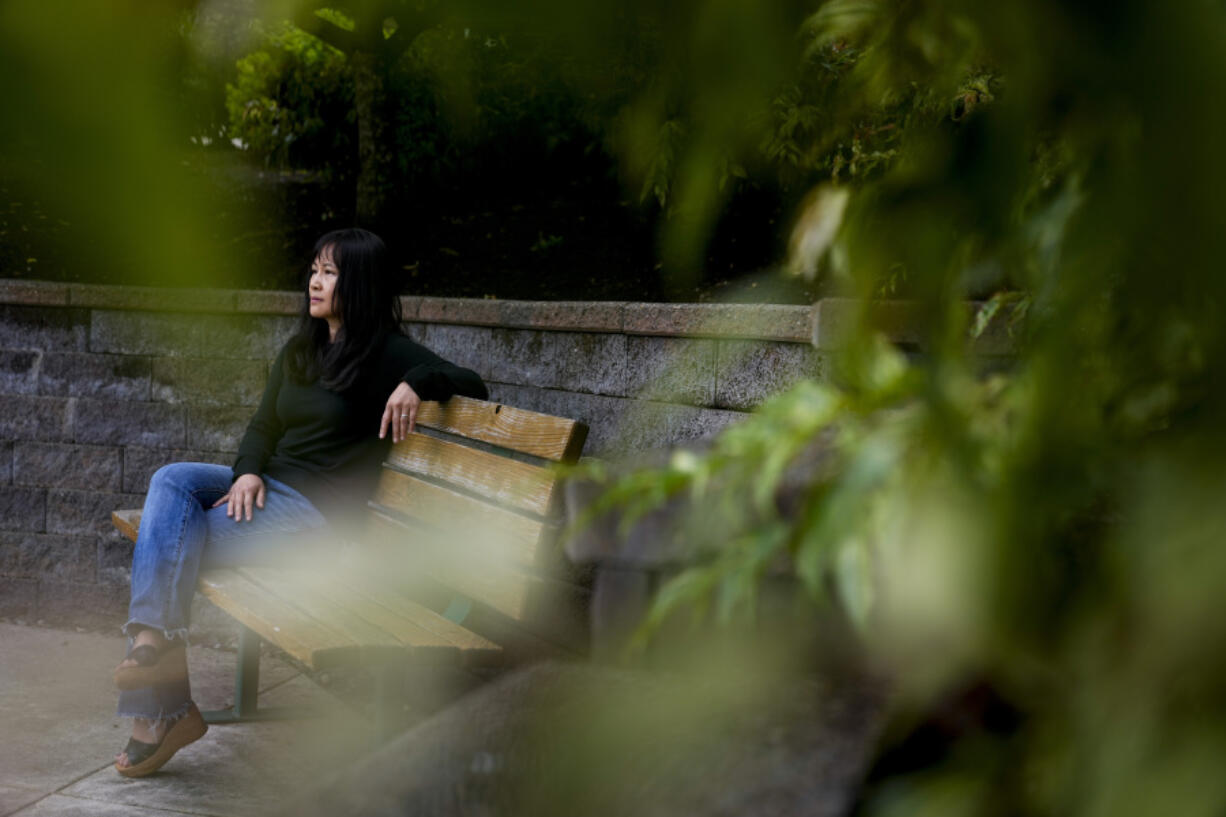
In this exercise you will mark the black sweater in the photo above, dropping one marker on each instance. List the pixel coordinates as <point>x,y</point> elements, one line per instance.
<point>326,444</point>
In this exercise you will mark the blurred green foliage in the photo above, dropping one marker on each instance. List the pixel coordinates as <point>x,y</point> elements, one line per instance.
<point>1051,529</point>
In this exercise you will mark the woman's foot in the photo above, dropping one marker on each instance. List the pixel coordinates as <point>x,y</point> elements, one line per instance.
<point>152,660</point>
<point>154,742</point>
<point>143,731</point>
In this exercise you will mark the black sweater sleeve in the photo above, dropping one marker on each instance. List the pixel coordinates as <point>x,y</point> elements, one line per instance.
<point>265,429</point>
<point>431,377</point>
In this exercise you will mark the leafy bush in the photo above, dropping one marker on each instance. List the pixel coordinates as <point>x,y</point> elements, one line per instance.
<point>291,104</point>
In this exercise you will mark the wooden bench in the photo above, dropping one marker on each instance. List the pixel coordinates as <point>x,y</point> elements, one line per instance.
<point>459,566</point>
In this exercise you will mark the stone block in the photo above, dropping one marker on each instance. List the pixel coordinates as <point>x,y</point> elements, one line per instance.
<point>43,327</point>
<point>158,299</point>
<point>575,316</point>
<point>144,333</point>
<point>621,427</point>
<point>25,417</point>
<point>471,311</point>
<point>749,321</point>
<point>23,508</point>
<point>673,370</point>
<point>546,401</point>
<point>244,337</point>
<point>19,371</point>
<point>751,371</point>
<point>18,597</point>
<point>6,462</point>
<point>640,425</point>
<point>210,381</point>
<point>10,552</point>
<point>467,346</point>
<point>110,377</point>
<point>41,555</point>
<point>49,293</point>
<point>57,465</point>
<point>114,559</point>
<point>105,422</point>
<point>83,604</point>
<point>603,415</point>
<point>265,302</point>
<point>216,428</point>
<point>140,463</point>
<point>86,513</point>
<point>410,305</point>
<point>574,361</point>
<point>688,424</point>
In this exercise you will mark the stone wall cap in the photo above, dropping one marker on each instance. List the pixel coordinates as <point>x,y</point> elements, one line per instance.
<point>580,316</point>
<point>471,311</point>
<point>781,322</point>
<point>47,293</point>
<point>154,299</point>
<point>824,324</point>
<point>267,302</point>
<point>900,321</point>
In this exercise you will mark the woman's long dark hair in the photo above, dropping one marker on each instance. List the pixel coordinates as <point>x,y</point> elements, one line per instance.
<point>369,310</point>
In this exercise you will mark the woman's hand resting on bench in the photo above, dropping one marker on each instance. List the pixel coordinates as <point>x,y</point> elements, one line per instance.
<point>400,413</point>
<point>246,494</point>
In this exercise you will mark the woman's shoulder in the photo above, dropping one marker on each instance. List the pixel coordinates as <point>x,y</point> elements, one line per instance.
<point>397,345</point>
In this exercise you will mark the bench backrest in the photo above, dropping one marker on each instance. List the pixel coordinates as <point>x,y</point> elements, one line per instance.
<point>471,503</point>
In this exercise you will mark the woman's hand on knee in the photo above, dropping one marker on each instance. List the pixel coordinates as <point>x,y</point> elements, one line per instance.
<point>246,494</point>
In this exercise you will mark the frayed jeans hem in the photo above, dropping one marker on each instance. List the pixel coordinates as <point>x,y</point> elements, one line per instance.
<point>170,719</point>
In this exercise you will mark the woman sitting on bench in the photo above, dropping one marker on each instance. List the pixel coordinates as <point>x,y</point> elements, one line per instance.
<point>311,451</point>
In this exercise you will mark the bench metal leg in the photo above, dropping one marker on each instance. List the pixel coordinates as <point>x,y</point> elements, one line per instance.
<point>247,687</point>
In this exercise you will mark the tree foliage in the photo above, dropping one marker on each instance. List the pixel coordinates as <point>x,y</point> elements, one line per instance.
<point>1050,528</point>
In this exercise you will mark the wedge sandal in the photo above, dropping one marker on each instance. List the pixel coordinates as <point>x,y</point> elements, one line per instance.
<point>147,758</point>
<point>154,665</point>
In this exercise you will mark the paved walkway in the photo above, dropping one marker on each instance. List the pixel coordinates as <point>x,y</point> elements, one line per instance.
<point>58,733</point>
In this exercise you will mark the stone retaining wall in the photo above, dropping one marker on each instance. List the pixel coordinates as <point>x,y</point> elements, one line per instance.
<point>101,385</point>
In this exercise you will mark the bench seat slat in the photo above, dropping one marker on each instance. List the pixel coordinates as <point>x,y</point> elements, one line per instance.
<point>499,479</point>
<point>300,589</point>
<point>421,630</point>
<point>277,622</point>
<point>476,578</point>
<point>515,594</point>
<point>483,529</point>
<point>378,593</point>
<point>529,432</point>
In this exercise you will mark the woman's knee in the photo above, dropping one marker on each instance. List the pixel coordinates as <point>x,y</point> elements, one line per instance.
<point>187,476</point>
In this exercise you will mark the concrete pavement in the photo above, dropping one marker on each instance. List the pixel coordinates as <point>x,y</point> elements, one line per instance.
<point>58,733</point>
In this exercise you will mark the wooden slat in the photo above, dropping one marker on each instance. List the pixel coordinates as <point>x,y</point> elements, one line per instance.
<point>300,590</point>
<point>477,578</point>
<point>542,435</point>
<point>127,522</point>
<point>424,632</point>
<point>379,593</point>
<point>306,639</point>
<point>546,608</point>
<point>481,530</point>
<point>499,479</point>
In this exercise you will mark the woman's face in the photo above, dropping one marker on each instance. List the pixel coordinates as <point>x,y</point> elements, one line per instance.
<point>322,288</point>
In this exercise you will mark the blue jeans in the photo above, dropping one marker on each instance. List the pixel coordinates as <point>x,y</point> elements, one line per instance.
<point>181,533</point>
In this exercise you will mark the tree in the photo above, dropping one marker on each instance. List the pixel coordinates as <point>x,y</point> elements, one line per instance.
<point>371,35</point>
